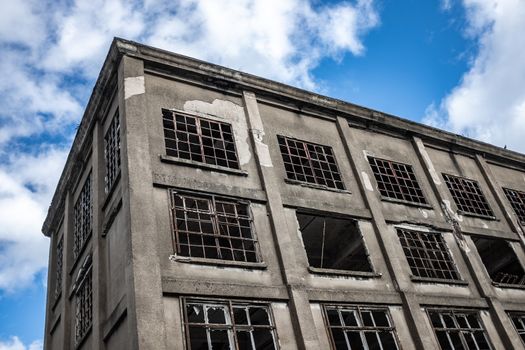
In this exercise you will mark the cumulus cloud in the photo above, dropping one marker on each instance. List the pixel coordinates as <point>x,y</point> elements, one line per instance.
<point>15,344</point>
<point>52,52</point>
<point>489,102</point>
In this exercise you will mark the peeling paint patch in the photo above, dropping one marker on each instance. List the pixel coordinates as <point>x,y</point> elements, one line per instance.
<point>226,111</point>
<point>315,306</point>
<point>367,154</point>
<point>485,225</point>
<point>367,183</point>
<point>423,212</point>
<point>282,306</point>
<point>262,149</point>
<point>413,227</point>
<point>134,86</point>
<point>429,164</point>
<point>451,212</point>
<point>257,130</point>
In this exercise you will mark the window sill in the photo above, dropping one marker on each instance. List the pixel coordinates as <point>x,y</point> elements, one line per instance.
<point>509,286</point>
<point>474,215</point>
<point>109,194</point>
<point>336,272</point>
<point>411,204</point>
<point>84,337</point>
<point>217,262</point>
<point>438,280</point>
<point>56,301</point>
<point>80,253</point>
<point>315,186</point>
<point>210,167</point>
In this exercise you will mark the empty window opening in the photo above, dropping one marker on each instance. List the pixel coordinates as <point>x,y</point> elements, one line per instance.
<point>199,139</point>
<point>333,243</point>
<point>82,218</point>
<point>213,227</point>
<point>213,324</point>
<point>112,152</point>
<point>427,255</point>
<point>500,260</point>
<point>459,330</point>
<point>360,327</point>
<point>58,266</point>
<point>309,162</point>
<point>468,196</point>
<point>396,181</point>
<point>517,200</point>
<point>83,301</point>
<point>518,319</point>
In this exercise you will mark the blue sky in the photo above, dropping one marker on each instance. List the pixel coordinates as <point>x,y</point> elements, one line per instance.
<point>453,64</point>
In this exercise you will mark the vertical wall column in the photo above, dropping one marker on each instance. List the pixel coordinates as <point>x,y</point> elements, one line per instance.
<point>67,315</point>
<point>143,273</point>
<point>302,317</point>
<point>386,238</point>
<point>500,318</point>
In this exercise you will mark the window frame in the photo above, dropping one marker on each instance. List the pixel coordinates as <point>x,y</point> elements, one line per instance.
<point>230,305</point>
<point>305,183</point>
<point>476,184</point>
<point>211,198</point>
<point>110,183</point>
<point>409,169</point>
<point>80,246</point>
<point>358,308</point>
<point>520,212</point>
<point>166,158</point>
<point>521,315</point>
<point>84,276</point>
<point>459,311</point>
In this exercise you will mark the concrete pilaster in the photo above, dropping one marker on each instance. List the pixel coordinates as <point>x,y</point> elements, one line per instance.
<point>66,277</point>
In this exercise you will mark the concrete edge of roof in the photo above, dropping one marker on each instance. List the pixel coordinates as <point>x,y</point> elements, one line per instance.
<point>120,47</point>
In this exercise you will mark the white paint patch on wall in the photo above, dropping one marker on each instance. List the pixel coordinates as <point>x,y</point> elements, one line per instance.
<point>428,163</point>
<point>257,130</point>
<point>366,181</point>
<point>423,212</point>
<point>230,112</point>
<point>134,86</point>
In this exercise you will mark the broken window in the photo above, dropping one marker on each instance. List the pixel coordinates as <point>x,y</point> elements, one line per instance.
<point>82,218</point>
<point>396,181</point>
<point>310,162</point>
<point>458,329</point>
<point>517,200</point>
<point>360,327</point>
<point>83,301</point>
<point>228,325</point>
<point>500,260</point>
<point>333,243</point>
<point>59,264</point>
<point>518,319</point>
<point>468,196</point>
<point>213,227</point>
<point>199,139</point>
<point>112,152</point>
<point>427,254</point>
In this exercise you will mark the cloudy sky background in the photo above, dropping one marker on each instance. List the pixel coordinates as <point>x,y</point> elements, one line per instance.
<point>457,65</point>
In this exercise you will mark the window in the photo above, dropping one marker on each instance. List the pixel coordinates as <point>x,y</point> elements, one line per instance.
<point>59,264</point>
<point>200,140</point>
<point>83,302</point>
<point>517,200</point>
<point>82,218</point>
<point>213,227</point>
<point>309,162</point>
<point>360,327</point>
<point>228,325</point>
<point>500,260</point>
<point>427,255</point>
<point>333,243</point>
<point>518,319</point>
<point>459,330</point>
<point>112,152</point>
<point>468,196</point>
<point>396,181</point>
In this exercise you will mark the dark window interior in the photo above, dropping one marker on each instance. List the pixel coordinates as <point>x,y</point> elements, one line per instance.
<point>500,260</point>
<point>468,196</point>
<point>333,243</point>
<point>517,200</point>
<point>518,319</point>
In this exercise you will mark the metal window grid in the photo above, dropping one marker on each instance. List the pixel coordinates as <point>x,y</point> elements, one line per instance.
<point>517,201</point>
<point>199,139</point>
<point>83,306</point>
<point>458,329</point>
<point>396,181</point>
<point>427,255</point>
<point>242,325</point>
<point>468,196</point>
<point>59,264</point>
<point>82,218</point>
<point>310,162</point>
<point>360,327</point>
<point>112,152</point>
<point>518,320</point>
<point>213,227</point>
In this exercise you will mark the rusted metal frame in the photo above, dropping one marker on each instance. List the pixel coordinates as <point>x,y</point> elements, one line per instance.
<point>518,207</point>
<point>82,222</point>
<point>112,153</point>
<point>474,206</point>
<point>86,281</point>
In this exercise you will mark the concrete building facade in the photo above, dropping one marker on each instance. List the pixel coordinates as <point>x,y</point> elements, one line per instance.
<point>205,208</point>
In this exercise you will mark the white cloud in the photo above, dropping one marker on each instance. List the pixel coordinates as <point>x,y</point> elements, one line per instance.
<point>15,344</point>
<point>489,102</point>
